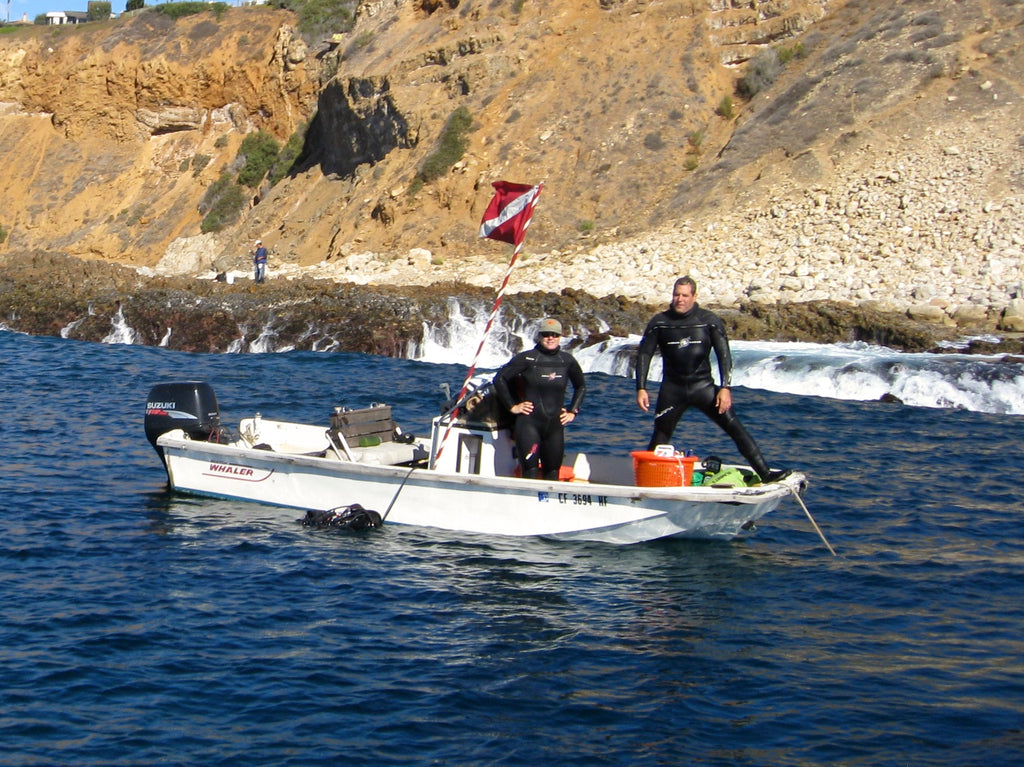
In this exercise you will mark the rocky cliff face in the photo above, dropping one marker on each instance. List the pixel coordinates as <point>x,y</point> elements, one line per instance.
<point>110,132</point>
<point>880,154</point>
<point>102,123</point>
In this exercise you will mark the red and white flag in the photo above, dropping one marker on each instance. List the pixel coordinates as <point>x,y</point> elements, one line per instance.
<point>508,214</point>
<point>506,219</point>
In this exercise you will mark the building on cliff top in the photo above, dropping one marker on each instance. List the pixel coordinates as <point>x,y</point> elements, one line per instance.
<point>54,18</point>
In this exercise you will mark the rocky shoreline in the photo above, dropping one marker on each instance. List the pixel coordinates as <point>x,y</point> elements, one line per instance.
<point>53,294</point>
<point>907,230</point>
<point>872,193</point>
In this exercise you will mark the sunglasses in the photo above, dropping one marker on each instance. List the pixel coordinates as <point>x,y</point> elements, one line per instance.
<point>550,335</point>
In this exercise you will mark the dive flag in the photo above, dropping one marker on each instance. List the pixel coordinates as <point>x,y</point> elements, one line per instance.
<point>508,214</point>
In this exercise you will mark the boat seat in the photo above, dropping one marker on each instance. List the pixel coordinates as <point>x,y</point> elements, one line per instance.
<point>389,454</point>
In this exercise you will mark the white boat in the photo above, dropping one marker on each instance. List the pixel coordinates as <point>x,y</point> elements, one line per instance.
<point>462,479</point>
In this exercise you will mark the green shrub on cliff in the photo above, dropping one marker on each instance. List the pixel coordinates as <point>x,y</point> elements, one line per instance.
<point>762,71</point>
<point>260,150</point>
<point>222,204</point>
<point>451,146</point>
<point>199,161</point>
<point>725,108</point>
<point>787,54</point>
<point>289,153</point>
<point>259,157</point>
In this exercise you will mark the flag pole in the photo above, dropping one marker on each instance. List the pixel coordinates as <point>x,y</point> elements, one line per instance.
<point>519,240</point>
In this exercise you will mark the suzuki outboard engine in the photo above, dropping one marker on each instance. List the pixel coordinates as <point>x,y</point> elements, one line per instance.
<point>190,406</point>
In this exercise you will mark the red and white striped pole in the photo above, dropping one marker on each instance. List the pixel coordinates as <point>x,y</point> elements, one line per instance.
<point>506,215</point>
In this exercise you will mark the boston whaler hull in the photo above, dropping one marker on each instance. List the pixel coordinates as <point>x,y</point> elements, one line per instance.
<point>463,481</point>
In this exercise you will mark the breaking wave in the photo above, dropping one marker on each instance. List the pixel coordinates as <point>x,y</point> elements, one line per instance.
<point>854,371</point>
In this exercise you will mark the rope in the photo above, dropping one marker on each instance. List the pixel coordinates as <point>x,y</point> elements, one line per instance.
<point>808,513</point>
<point>395,498</point>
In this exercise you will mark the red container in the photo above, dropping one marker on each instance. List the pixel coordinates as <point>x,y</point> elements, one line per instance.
<point>650,470</point>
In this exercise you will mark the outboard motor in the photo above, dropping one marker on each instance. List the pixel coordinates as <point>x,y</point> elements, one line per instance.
<point>190,406</point>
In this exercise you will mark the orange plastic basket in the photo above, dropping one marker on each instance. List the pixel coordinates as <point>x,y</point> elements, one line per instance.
<point>650,470</point>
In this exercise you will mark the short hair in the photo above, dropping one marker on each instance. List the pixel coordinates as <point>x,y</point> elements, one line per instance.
<point>687,280</point>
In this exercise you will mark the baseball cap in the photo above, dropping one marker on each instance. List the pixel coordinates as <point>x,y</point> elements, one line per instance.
<point>550,325</point>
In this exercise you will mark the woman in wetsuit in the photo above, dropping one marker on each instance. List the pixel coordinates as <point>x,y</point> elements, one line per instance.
<point>532,385</point>
<point>686,334</point>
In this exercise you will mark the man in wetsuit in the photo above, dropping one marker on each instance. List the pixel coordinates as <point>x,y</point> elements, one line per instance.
<point>685,335</point>
<point>539,378</point>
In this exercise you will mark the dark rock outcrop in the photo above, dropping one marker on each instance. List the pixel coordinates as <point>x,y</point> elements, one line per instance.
<point>52,294</point>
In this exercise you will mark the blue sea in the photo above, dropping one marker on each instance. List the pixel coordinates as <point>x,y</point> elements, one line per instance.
<point>141,627</point>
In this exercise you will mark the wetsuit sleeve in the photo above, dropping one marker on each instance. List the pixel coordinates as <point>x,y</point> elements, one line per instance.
<point>720,343</point>
<point>512,368</point>
<point>579,384</point>
<point>645,353</point>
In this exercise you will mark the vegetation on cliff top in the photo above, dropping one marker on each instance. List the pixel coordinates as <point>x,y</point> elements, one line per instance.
<point>321,17</point>
<point>316,17</point>
<point>178,10</point>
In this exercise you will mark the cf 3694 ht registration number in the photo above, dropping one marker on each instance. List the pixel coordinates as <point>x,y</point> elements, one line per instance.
<point>583,499</point>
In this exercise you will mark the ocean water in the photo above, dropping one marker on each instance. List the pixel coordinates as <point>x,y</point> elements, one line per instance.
<point>140,627</point>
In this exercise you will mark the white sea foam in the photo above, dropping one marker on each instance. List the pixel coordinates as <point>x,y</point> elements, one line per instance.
<point>855,371</point>
<point>839,371</point>
<point>121,333</point>
<point>458,341</point>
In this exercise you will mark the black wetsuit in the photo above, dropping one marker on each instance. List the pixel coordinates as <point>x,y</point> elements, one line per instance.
<point>685,342</point>
<point>540,376</point>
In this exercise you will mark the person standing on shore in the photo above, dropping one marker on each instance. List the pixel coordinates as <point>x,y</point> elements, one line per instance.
<point>541,377</point>
<point>259,261</point>
<point>686,334</point>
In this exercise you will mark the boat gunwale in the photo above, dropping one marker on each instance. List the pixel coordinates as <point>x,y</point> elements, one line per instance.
<point>755,494</point>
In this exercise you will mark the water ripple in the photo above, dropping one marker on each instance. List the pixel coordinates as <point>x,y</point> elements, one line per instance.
<point>142,627</point>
